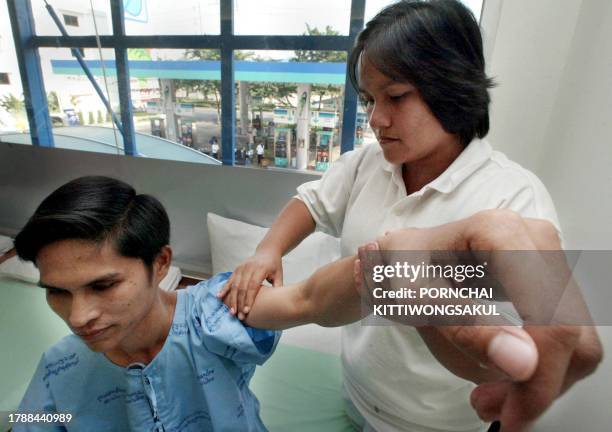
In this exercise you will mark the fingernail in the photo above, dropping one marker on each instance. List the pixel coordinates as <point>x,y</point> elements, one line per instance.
<point>513,355</point>
<point>246,310</point>
<point>372,246</point>
<point>240,316</point>
<point>233,311</point>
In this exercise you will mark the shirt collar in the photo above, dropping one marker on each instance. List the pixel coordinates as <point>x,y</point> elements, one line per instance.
<point>469,161</point>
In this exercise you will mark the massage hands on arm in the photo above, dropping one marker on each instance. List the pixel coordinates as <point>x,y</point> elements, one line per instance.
<point>520,371</point>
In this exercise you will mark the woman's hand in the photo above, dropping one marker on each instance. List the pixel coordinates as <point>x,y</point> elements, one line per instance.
<point>244,284</point>
<point>525,368</point>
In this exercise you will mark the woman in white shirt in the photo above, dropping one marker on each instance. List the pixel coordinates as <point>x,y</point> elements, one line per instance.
<point>419,69</point>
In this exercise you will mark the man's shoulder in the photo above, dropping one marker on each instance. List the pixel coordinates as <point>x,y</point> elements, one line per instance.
<point>207,288</point>
<point>68,344</point>
<point>65,357</point>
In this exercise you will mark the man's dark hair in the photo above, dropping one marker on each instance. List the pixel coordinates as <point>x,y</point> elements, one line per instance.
<point>98,209</point>
<point>436,46</point>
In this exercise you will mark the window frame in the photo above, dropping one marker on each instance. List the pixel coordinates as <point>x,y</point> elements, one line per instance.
<point>27,44</point>
<point>68,17</point>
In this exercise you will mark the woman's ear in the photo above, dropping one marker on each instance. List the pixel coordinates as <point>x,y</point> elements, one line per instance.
<point>162,263</point>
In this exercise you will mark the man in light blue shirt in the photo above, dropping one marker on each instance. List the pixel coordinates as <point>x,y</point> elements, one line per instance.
<point>140,358</point>
<point>197,381</point>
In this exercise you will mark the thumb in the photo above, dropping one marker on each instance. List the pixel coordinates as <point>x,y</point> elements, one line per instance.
<point>509,349</point>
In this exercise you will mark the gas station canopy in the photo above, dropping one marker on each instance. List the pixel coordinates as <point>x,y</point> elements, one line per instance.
<point>262,71</point>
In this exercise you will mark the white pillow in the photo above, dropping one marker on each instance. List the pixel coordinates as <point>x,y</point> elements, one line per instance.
<point>15,268</point>
<point>233,241</point>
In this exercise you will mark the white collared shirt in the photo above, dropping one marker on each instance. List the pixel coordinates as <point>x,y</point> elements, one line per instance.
<point>389,373</point>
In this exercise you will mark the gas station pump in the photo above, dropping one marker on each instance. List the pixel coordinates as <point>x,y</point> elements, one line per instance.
<point>187,131</point>
<point>282,146</point>
<point>158,127</point>
<point>324,141</point>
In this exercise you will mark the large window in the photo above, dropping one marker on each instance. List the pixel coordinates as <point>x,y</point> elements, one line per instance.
<point>205,80</point>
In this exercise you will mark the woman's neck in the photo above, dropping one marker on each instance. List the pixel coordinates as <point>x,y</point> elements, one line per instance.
<point>419,173</point>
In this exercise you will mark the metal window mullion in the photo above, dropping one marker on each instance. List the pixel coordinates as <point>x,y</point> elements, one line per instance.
<point>349,117</point>
<point>228,111</point>
<point>22,23</point>
<point>123,80</point>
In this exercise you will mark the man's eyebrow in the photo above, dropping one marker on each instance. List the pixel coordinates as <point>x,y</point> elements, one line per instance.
<point>41,284</point>
<point>105,278</point>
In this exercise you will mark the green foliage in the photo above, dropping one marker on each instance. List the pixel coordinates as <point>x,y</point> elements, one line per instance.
<point>80,116</point>
<point>322,90</point>
<point>279,93</point>
<point>12,103</point>
<point>319,56</point>
<point>138,54</point>
<point>100,119</point>
<point>53,102</point>
<point>90,118</point>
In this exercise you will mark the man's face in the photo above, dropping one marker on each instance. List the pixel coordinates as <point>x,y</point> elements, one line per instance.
<point>101,295</point>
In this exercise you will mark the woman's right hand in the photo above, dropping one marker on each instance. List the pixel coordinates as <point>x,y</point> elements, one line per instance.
<point>244,284</point>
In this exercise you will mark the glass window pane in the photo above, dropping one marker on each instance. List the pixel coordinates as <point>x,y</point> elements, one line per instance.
<point>176,95</point>
<point>75,15</point>
<point>79,117</point>
<point>185,17</point>
<point>12,111</point>
<point>291,17</point>
<point>289,104</point>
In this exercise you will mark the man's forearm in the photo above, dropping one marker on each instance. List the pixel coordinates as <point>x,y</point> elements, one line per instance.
<point>327,298</point>
<point>332,295</point>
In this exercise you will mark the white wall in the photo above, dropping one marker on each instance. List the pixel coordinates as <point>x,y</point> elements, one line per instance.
<point>552,112</point>
<point>577,158</point>
<point>552,60</point>
<point>187,190</point>
<point>532,42</point>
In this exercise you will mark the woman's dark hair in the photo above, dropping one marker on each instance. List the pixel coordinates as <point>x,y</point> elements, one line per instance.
<point>97,209</point>
<point>437,47</point>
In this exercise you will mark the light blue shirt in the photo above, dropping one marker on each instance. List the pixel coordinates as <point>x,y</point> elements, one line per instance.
<point>197,382</point>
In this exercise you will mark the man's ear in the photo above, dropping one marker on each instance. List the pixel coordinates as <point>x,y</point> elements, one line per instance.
<point>162,263</point>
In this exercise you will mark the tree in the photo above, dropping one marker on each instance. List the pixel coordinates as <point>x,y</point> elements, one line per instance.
<point>320,56</point>
<point>12,103</point>
<point>334,91</point>
<point>53,102</point>
<point>205,87</point>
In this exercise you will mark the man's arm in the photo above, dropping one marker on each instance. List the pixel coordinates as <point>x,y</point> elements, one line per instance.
<point>327,298</point>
